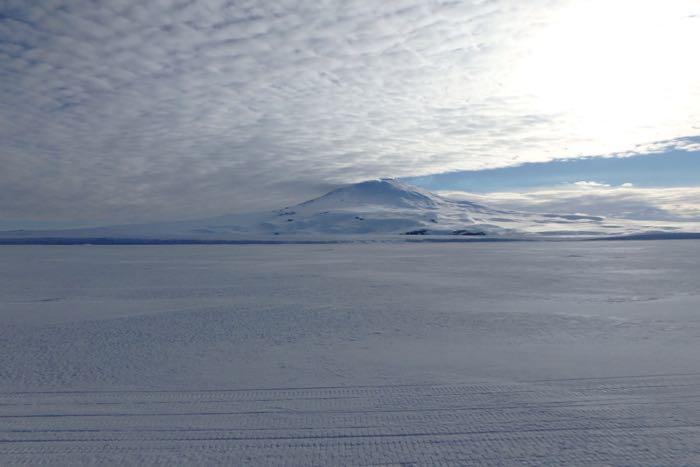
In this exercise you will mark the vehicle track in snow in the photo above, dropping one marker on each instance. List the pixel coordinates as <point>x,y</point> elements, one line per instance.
<point>626,420</point>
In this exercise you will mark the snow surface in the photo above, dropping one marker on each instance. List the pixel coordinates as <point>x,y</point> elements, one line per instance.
<point>517,353</point>
<point>381,210</point>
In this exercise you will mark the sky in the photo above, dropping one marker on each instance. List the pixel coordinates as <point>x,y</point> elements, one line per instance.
<point>125,110</point>
<point>661,185</point>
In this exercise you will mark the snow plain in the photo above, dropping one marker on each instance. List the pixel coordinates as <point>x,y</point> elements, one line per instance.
<point>515,353</point>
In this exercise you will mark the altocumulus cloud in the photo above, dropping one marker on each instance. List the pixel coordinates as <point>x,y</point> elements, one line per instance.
<point>128,109</point>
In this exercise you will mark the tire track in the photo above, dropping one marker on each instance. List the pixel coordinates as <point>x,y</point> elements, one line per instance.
<point>643,420</point>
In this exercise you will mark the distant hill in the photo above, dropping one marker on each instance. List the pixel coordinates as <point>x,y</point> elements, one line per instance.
<point>384,208</point>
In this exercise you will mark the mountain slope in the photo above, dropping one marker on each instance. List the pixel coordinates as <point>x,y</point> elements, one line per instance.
<point>384,207</point>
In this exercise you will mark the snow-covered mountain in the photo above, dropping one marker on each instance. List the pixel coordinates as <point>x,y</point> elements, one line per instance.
<point>384,207</point>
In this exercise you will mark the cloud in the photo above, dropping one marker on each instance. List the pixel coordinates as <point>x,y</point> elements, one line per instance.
<point>624,201</point>
<point>583,183</point>
<point>127,110</point>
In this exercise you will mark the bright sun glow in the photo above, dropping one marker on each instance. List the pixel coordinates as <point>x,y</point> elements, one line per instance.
<point>618,69</point>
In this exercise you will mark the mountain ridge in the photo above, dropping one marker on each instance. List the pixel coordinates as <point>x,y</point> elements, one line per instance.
<point>381,207</point>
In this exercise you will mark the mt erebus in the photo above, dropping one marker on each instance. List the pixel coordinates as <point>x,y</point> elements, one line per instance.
<point>383,208</point>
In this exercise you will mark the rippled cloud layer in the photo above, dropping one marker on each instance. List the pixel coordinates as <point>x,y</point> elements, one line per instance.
<point>126,109</point>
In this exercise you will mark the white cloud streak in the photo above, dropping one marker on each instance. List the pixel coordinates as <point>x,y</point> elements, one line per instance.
<point>624,201</point>
<point>127,109</point>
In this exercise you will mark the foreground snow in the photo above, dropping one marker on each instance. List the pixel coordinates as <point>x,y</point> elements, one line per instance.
<point>377,210</point>
<point>510,353</point>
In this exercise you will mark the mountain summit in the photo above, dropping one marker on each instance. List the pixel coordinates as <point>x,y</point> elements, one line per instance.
<point>382,192</point>
<point>382,207</point>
